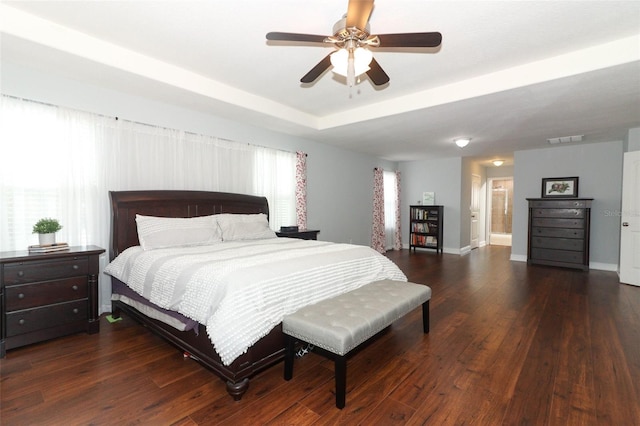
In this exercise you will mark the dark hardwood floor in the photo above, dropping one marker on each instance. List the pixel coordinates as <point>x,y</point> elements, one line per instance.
<point>509,344</point>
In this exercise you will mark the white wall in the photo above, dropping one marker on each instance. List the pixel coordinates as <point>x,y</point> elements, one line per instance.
<point>634,139</point>
<point>339,182</point>
<point>599,167</point>
<point>442,177</point>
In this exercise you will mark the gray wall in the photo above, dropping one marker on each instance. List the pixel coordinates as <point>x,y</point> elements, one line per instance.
<point>599,167</point>
<point>634,139</point>
<point>339,182</point>
<point>442,177</point>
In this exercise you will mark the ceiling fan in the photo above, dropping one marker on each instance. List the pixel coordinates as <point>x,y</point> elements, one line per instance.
<point>352,38</point>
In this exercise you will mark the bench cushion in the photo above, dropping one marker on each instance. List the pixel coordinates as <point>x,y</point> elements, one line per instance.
<point>341,323</point>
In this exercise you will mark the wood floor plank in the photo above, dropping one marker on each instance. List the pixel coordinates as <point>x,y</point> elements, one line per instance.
<point>573,400</point>
<point>509,344</point>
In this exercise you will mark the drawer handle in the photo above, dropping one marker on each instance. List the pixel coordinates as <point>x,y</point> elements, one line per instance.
<point>21,273</point>
<point>21,322</point>
<point>74,287</point>
<point>76,267</point>
<point>75,310</point>
<point>21,296</point>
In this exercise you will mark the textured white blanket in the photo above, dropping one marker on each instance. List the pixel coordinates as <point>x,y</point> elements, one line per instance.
<point>241,290</point>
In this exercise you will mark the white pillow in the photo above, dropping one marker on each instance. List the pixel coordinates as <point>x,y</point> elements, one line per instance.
<point>244,226</point>
<point>162,232</point>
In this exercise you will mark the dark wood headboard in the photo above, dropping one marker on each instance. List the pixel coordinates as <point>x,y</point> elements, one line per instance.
<point>126,204</point>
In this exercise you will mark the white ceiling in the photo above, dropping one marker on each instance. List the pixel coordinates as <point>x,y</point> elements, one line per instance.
<point>509,74</point>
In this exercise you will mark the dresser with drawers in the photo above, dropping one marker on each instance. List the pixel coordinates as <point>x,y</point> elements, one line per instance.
<point>559,232</point>
<point>47,295</point>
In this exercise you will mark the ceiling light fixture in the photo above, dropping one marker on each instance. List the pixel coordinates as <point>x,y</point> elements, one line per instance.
<point>462,142</point>
<point>349,62</point>
<point>498,163</point>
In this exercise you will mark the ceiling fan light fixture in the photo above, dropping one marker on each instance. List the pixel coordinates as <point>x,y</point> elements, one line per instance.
<point>462,142</point>
<point>361,59</point>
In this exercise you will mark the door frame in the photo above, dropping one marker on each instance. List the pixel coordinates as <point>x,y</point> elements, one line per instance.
<point>477,213</point>
<point>490,203</point>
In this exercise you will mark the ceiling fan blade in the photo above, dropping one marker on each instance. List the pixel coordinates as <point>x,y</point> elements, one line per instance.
<point>316,71</point>
<point>410,40</point>
<point>309,38</point>
<point>376,73</point>
<point>358,13</point>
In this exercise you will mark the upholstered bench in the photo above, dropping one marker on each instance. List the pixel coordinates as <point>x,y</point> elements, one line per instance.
<point>341,323</point>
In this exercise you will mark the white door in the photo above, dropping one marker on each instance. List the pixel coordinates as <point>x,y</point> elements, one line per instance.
<point>475,210</point>
<point>630,220</point>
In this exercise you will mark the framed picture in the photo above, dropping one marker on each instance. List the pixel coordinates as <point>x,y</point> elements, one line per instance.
<point>428,198</point>
<point>565,187</point>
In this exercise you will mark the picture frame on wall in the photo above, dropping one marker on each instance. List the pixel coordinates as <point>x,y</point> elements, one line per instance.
<point>561,187</point>
<point>428,198</point>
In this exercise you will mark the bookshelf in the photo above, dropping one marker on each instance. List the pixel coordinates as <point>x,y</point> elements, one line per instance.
<point>425,227</point>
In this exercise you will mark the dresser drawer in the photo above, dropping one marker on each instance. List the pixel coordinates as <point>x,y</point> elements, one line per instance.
<point>563,204</point>
<point>557,232</point>
<point>558,243</point>
<point>558,223</point>
<point>561,213</point>
<point>29,320</point>
<point>557,255</point>
<point>24,296</point>
<point>26,272</point>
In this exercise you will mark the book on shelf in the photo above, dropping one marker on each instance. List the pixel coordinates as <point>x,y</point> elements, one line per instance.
<point>47,248</point>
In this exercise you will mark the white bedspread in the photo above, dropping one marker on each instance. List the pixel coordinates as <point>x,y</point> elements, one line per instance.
<point>241,290</point>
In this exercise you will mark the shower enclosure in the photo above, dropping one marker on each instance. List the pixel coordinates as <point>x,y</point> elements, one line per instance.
<point>501,211</point>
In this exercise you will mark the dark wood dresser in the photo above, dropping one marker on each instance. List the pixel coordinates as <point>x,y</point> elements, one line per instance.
<point>47,295</point>
<point>559,232</point>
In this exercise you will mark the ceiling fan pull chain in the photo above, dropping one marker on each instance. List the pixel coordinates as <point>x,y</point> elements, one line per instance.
<point>351,70</point>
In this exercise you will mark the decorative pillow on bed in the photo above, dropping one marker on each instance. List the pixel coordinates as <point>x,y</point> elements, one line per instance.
<point>244,226</point>
<point>162,232</point>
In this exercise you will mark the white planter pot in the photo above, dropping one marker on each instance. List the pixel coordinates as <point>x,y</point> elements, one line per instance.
<point>47,239</point>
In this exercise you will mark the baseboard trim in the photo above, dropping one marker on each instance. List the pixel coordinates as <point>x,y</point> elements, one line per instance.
<point>599,266</point>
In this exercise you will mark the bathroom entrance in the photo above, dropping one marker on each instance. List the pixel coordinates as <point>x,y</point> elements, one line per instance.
<point>501,208</point>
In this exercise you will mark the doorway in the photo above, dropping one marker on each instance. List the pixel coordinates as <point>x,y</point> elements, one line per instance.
<point>501,207</point>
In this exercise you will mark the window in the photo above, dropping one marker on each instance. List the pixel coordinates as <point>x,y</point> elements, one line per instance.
<point>390,197</point>
<point>64,163</point>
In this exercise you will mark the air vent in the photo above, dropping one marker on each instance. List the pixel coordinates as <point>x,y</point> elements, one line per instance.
<point>565,139</point>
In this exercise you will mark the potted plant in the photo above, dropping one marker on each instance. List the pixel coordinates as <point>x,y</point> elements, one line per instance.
<point>46,229</point>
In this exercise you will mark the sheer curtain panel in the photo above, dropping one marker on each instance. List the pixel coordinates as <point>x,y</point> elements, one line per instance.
<point>62,163</point>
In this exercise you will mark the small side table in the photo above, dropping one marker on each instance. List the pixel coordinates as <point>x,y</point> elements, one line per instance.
<point>47,295</point>
<point>303,234</point>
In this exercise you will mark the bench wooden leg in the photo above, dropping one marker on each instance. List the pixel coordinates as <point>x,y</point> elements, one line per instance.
<point>341,380</point>
<point>288,358</point>
<point>425,317</point>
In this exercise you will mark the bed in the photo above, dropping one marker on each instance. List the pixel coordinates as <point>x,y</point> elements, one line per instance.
<point>196,335</point>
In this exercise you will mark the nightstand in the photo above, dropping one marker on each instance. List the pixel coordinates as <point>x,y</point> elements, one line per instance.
<point>303,234</point>
<point>47,295</point>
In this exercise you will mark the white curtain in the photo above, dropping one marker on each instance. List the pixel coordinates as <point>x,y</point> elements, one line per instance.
<point>62,163</point>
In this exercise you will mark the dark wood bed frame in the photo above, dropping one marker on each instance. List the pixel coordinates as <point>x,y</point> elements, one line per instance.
<point>124,207</point>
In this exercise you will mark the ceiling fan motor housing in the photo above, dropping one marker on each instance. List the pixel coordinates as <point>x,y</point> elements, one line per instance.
<point>341,31</point>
